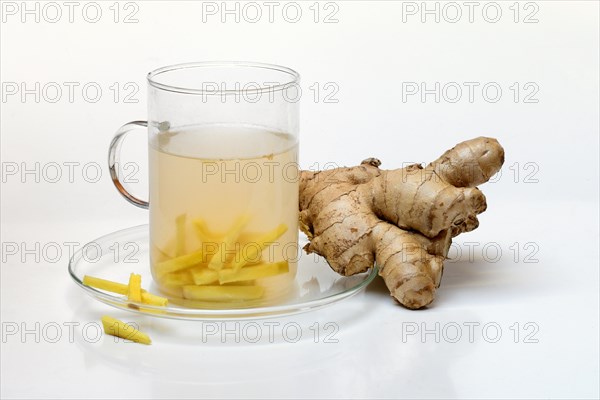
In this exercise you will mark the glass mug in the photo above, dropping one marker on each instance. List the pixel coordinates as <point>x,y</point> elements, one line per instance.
<point>223,181</point>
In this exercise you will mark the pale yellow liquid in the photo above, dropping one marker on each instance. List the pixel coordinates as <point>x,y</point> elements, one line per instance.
<point>218,174</point>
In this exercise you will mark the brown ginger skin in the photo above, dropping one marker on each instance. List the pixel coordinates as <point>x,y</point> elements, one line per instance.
<point>402,219</point>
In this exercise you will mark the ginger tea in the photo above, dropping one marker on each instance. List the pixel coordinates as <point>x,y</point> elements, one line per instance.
<point>223,213</point>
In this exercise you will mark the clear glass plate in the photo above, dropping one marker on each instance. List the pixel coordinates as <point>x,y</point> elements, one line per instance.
<point>118,254</point>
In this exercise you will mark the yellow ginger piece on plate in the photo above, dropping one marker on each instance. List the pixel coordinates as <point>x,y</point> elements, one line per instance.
<point>255,272</point>
<point>223,293</point>
<point>154,300</point>
<point>115,327</point>
<point>104,284</point>
<point>120,288</point>
<point>134,290</point>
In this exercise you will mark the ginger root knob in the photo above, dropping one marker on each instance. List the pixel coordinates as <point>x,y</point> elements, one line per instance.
<point>403,220</point>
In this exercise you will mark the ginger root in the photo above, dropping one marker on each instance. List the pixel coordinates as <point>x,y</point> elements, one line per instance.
<point>403,220</point>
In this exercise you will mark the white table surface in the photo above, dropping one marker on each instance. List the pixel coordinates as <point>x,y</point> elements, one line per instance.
<point>528,321</point>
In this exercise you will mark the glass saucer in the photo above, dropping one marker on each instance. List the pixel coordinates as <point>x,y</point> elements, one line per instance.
<point>118,254</point>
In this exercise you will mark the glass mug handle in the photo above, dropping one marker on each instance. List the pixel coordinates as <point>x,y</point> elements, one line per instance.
<point>113,160</point>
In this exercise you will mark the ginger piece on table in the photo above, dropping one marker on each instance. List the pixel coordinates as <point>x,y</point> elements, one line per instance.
<point>115,327</point>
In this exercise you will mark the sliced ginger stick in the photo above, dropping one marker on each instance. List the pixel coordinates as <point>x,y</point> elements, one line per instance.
<point>180,235</point>
<point>255,272</point>
<point>153,300</point>
<point>250,237</point>
<point>223,293</point>
<point>262,243</point>
<point>217,260</point>
<point>177,278</point>
<point>104,284</point>
<point>204,234</point>
<point>134,289</point>
<point>120,288</point>
<point>204,276</point>
<point>179,263</point>
<point>115,327</point>
<point>164,253</point>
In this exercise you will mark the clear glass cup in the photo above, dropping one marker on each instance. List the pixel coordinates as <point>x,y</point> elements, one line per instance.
<point>223,174</point>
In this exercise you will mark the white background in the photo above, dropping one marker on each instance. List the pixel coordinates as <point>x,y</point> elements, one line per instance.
<point>546,199</point>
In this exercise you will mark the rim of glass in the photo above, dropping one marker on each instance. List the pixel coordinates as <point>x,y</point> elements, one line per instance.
<point>152,75</point>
